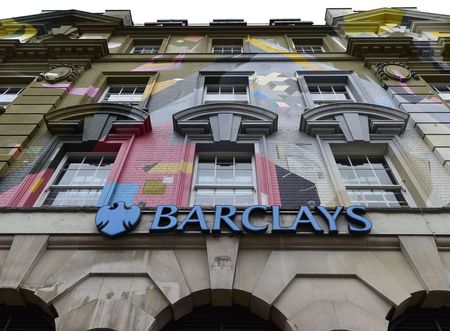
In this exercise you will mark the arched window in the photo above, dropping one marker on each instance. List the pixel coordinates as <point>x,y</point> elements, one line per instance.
<point>208,318</point>
<point>28,317</point>
<point>420,319</point>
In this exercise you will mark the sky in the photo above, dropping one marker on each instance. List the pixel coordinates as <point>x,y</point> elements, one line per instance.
<point>203,11</point>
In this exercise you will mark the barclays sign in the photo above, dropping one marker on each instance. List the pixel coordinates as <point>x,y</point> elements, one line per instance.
<point>118,219</point>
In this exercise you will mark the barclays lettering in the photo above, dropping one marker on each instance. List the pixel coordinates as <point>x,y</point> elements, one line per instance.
<point>118,219</point>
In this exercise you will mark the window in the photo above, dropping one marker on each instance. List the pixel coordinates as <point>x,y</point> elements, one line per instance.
<point>146,49</point>
<point>370,180</point>
<point>443,89</point>
<point>124,94</point>
<point>9,93</point>
<point>226,89</point>
<point>322,93</point>
<point>326,87</point>
<point>227,46</point>
<point>79,180</point>
<point>308,46</point>
<point>224,179</point>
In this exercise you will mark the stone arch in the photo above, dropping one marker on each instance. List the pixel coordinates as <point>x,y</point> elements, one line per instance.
<point>234,119</point>
<point>356,121</point>
<point>95,120</point>
<point>214,318</point>
<point>239,298</point>
<point>424,306</point>
<point>27,301</point>
<point>422,299</point>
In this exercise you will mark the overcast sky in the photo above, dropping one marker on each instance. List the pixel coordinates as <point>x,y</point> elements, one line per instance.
<point>202,11</point>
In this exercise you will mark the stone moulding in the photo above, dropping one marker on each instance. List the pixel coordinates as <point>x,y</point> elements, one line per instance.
<point>97,119</point>
<point>357,121</point>
<point>233,119</point>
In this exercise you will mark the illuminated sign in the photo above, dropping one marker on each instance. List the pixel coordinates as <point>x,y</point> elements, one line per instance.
<point>118,219</point>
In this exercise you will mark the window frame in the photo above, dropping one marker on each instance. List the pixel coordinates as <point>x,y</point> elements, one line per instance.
<point>231,95</point>
<point>9,86</point>
<point>50,184</point>
<point>439,93</point>
<point>332,85</point>
<point>378,148</point>
<point>347,78</point>
<point>200,91</point>
<point>381,187</point>
<point>109,86</point>
<point>234,41</point>
<point>196,186</point>
<point>162,41</point>
<point>132,51</point>
<point>310,46</point>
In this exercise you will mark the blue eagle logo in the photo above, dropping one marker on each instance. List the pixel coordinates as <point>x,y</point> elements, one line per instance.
<point>117,219</point>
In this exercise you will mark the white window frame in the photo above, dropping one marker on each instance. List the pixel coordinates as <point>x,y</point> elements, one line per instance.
<point>308,48</point>
<point>331,77</point>
<point>196,186</point>
<point>130,103</point>
<point>444,95</point>
<point>155,49</point>
<point>7,86</point>
<point>340,187</point>
<point>220,49</point>
<point>50,185</point>
<point>227,97</point>
<point>380,187</point>
<point>332,85</point>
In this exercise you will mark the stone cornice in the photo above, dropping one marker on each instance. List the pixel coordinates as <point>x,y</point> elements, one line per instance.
<point>76,229</point>
<point>386,47</point>
<point>54,49</point>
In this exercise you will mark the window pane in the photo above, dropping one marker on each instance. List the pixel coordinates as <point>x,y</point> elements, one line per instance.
<point>139,90</point>
<point>244,197</point>
<point>243,177</point>
<point>212,89</point>
<point>366,177</point>
<point>224,197</point>
<point>114,89</point>
<point>205,176</point>
<point>225,176</point>
<point>205,162</point>
<point>348,176</point>
<point>385,177</point>
<point>378,198</point>
<point>360,162</point>
<point>72,197</point>
<point>226,89</point>
<point>240,89</point>
<point>204,197</point>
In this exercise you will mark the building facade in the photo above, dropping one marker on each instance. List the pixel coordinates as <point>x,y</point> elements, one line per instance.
<point>225,176</point>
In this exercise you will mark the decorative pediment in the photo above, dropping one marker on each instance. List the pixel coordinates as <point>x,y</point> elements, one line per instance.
<point>49,19</point>
<point>356,121</point>
<point>225,121</point>
<point>95,121</point>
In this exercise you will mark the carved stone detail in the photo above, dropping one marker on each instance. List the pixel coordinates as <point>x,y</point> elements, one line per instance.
<point>394,70</point>
<point>59,72</point>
